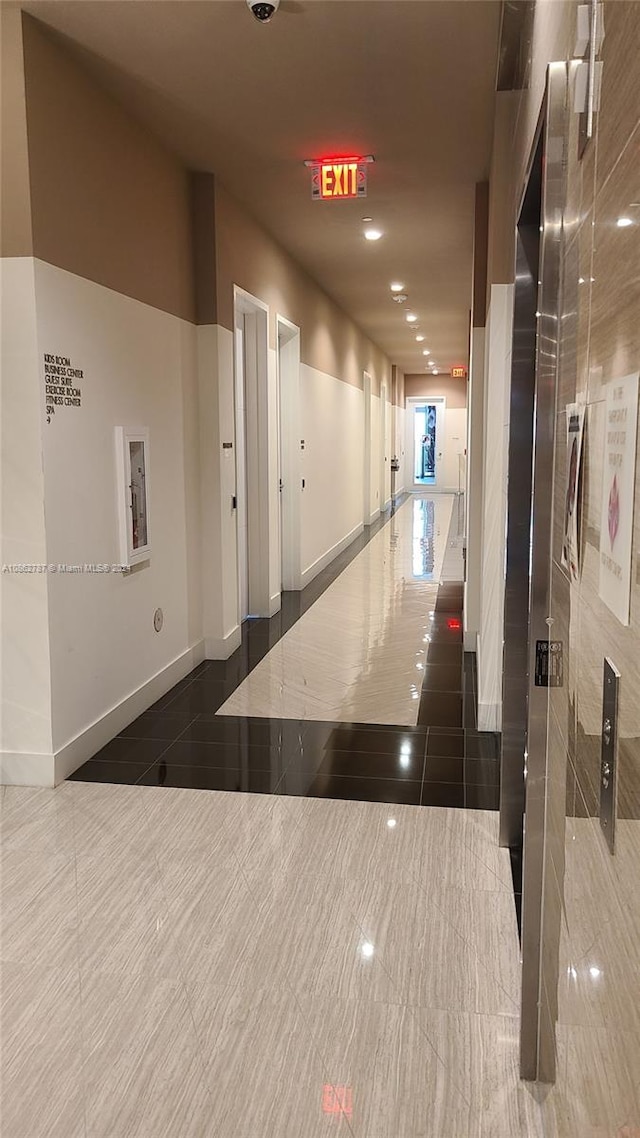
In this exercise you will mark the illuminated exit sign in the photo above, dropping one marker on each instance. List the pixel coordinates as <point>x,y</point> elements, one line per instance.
<point>458,373</point>
<point>337,179</point>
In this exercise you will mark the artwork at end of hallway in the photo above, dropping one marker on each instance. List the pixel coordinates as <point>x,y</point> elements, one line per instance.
<point>571,537</point>
<point>618,486</point>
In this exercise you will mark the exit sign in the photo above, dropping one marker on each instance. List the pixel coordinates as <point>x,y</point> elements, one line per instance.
<point>337,179</point>
<point>458,373</point>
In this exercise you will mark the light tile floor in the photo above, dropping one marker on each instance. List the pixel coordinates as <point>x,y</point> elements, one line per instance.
<point>356,655</point>
<point>181,963</point>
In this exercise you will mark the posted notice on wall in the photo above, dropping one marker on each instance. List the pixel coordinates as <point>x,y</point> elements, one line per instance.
<point>570,539</point>
<point>616,524</point>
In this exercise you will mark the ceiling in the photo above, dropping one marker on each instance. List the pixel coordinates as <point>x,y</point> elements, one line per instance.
<point>409,81</point>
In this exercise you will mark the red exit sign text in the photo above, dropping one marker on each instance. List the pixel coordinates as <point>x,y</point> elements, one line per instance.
<point>334,179</point>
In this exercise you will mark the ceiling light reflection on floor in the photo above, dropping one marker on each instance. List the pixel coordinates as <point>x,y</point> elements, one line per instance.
<point>367,949</point>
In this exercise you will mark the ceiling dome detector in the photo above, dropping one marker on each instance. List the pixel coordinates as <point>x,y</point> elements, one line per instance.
<point>263,12</point>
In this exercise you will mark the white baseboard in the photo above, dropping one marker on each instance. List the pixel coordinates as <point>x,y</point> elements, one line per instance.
<point>489,717</point>
<point>317,566</point>
<point>18,769</point>
<point>221,649</point>
<point>373,516</point>
<point>75,753</point>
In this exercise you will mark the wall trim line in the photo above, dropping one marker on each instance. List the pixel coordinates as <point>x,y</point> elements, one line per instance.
<point>321,562</point>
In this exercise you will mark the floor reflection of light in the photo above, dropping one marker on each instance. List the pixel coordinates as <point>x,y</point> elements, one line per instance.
<point>367,949</point>
<point>392,823</point>
<point>594,973</point>
<point>405,762</point>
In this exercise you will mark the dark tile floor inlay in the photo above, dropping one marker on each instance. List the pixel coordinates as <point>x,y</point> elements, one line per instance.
<point>443,761</point>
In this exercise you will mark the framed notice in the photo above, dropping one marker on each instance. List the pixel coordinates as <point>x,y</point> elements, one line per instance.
<point>570,538</point>
<point>618,484</point>
<point>132,457</point>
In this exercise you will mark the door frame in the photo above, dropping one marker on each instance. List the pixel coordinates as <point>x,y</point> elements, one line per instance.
<point>440,403</point>
<point>289,453</point>
<point>257,442</point>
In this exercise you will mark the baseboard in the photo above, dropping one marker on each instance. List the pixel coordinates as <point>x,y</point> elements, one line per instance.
<point>18,769</point>
<point>75,753</point>
<point>317,566</point>
<point>489,717</point>
<point>221,649</point>
<point>470,640</point>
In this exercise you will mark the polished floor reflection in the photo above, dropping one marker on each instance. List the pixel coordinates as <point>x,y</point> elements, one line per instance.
<point>359,654</point>
<point>186,965</point>
<point>440,760</point>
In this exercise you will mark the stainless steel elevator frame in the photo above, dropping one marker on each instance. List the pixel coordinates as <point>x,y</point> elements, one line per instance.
<point>528,579</point>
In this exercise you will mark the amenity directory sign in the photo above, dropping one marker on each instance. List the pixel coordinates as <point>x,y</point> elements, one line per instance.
<point>618,484</point>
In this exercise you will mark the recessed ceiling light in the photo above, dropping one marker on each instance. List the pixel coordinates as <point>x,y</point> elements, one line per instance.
<point>411,318</point>
<point>367,219</point>
<point>373,234</point>
<point>426,352</point>
<point>624,222</point>
<point>419,339</point>
<point>395,286</point>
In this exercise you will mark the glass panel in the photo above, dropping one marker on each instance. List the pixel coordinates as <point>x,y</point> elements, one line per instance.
<point>138,494</point>
<point>425,444</point>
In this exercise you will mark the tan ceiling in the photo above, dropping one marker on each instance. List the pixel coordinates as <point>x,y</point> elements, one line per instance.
<point>410,81</point>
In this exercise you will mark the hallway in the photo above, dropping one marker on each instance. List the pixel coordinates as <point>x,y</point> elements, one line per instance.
<point>320,574</point>
<point>359,689</point>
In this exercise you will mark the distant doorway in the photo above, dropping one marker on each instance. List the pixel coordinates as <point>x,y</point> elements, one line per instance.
<point>425,430</point>
<point>424,444</point>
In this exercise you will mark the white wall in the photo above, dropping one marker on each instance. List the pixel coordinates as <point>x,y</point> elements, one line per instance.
<point>496,457</point>
<point>455,441</point>
<point>25,723</point>
<point>139,368</point>
<point>475,467</point>
<point>332,417</point>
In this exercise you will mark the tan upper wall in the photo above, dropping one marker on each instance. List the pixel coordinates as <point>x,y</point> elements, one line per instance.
<point>15,205</point>
<point>108,201</point>
<point>248,257</point>
<point>453,390</point>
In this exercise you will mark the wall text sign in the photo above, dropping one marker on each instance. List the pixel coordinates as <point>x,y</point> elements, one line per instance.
<point>61,384</point>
